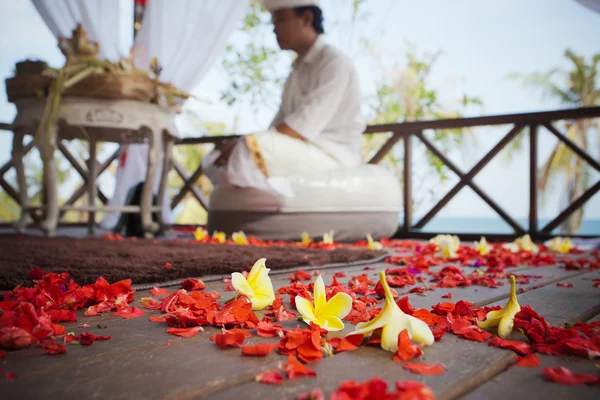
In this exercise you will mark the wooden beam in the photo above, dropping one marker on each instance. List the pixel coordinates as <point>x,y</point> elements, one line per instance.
<point>82,188</point>
<point>407,186</point>
<point>9,164</point>
<point>579,202</point>
<point>80,170</point>
<point>512,119</point>
<point>187,185</point>
<point>466,179</point>
<point>204,139</point>
<point>574,147</point>
<point>533,179</point>
<point>386,148</point>
<point>193,189</point>
<point>9,190</point>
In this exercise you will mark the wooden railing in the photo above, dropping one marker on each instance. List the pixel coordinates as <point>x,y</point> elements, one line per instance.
<point>407,133</point>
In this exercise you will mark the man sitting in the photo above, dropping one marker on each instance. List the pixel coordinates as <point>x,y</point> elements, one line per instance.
<point>319,123</point>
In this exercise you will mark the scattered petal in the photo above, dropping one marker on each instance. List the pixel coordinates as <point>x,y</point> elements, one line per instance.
<point>260,350</point>
<point>185,332</point>
<point>530,360</point>
<point>11,376</point>
<point>517,346</point>
<point>564,284</point>
<point>424,369</point>
<point>565,376</point>
<point>272,377</point>
<point>159,292</point>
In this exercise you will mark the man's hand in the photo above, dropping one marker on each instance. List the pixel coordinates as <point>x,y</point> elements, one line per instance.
<point>286,130</point>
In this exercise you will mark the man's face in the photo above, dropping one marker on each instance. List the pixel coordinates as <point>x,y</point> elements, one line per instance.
<point>289,27</point>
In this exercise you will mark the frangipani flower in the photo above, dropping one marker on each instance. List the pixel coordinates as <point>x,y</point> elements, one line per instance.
<point>560,245</point>
<point>504,318</point>
<point>239,238</point>
<point>306,240</point>
<point>219,236</point>
<point>258,287</point>
<point>523,243</point>
<point>200,234</point>
<point>373,245</point>
<point>393,321</point>
<point>327,314</point>
<point>447,245</point>
<point>483,247</point>
<point>328,237</point>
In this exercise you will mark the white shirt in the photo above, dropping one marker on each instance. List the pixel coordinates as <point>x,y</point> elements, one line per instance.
<point>321,101</point>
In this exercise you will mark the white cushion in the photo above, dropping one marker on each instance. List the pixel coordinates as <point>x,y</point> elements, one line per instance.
<point>366,188</point>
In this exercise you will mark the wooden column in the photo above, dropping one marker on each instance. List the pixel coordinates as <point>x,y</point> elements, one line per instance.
<point>91,186</point>
<point>407,192</point>
<point>533,200</point>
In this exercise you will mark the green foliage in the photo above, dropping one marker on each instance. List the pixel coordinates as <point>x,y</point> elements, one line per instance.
<point>251,63</point>
<point>409,96</point>
<point>577,87</point>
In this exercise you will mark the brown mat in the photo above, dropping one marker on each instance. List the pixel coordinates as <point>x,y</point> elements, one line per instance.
<point>143,260</point>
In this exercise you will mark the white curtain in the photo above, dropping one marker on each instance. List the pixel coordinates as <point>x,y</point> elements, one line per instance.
<point>106,22</point>
<point>187,36</point>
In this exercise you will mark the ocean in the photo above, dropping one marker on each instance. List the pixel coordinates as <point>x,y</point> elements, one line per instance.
<point>495,225</point>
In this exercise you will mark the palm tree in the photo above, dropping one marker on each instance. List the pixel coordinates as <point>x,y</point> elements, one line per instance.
<point>576,88</point>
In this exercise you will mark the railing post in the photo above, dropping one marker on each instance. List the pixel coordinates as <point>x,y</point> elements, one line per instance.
<point>533,179</point>
<point>407,192</point>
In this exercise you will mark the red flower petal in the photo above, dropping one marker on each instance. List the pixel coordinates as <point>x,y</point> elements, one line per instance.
<point>260,350</point>
<point>350,343</point>
<point>565,376</point>
<point>185,332</point>
<point>62,315</point>
<point>150,303</point>
<point>128,313</point>
<point>52,348</point>
<point>266,328</point>
<point>530,360</point>
<point>36,274</point>
<point>405,306</point>
<point>11,376</point>
<point>159,292</point>
<point>272,377</point>
<point>447,296</point>
<point>316,394</point>
<point>296,368</point>
<point>232,338</point>
<point>414,390</point>
<point>424,369</point>
<point>565,285</point>
<point>443,308</point>
<point>16,338</point>
<point>167,266</point>
<point>407,350</point>
<point>87,338</point>
<point>517,346</point>
<point>424,315</point>
<point>192,284</point>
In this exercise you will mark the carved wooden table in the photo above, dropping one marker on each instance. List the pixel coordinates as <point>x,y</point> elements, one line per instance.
<point>94,120</point>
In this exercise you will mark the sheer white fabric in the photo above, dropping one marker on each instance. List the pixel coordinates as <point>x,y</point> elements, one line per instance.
<point>591,4</point>
<point>106,22</point>
<point>187,36</point>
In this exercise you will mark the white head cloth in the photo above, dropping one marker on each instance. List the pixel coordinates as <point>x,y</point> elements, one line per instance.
<point>274,5</point>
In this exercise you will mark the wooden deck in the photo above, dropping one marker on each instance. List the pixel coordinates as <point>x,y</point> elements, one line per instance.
<point>143,361</point>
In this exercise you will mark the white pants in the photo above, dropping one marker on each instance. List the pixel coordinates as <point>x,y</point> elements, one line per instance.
<point>283,156</point>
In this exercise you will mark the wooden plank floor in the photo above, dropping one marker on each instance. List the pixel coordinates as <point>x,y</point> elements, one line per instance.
<point>143,361</point>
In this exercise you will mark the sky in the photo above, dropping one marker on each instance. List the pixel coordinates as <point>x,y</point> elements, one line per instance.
<point>483,42</point>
